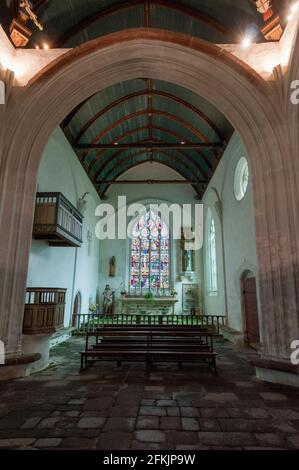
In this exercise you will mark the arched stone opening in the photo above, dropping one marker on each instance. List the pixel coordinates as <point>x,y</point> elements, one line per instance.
<point>247,101</point>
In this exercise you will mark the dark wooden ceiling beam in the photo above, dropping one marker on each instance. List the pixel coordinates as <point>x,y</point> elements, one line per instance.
<point>101,154</point>
<point>122,6</point>
<point>137,94</point>
<point>171,117</point>
<point>131,165</point>
<point>179,157</point>
<point>151,145</point>
<point>149,181</point>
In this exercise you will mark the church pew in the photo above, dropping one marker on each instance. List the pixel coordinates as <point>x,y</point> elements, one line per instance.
<point>153,345</point>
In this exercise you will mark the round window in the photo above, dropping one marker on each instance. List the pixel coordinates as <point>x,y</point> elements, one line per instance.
<point>241,179</point>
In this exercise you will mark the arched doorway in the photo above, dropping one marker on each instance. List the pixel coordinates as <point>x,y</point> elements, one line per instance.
<point>253,107</point>
<point>76,309</point>
<point>250,309</point>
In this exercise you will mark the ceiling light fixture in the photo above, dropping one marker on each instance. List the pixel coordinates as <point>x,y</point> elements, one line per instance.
<point>246,42</point>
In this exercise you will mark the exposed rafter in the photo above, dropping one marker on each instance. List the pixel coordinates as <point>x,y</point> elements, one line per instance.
<point>159,93</point>
<point>167,115</point>
<point>131,164</point>
<point>175,156</point>
<point>176,135</point>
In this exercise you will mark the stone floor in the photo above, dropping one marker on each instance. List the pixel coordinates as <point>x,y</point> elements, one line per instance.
<point>125,408</point>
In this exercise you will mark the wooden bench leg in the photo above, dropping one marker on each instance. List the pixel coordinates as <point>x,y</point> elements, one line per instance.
<point>83,364</point>
<point>214,366</point>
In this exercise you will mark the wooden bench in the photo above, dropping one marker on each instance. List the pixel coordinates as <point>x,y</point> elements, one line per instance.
<point>172,344</point>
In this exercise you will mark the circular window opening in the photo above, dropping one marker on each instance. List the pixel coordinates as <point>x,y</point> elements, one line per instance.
<point>241,179</point>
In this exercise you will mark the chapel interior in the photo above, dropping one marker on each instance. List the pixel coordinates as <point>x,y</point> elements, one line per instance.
<point>178,103</point>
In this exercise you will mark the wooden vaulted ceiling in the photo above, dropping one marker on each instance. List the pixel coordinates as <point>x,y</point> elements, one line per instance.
<point>144,120</point>
<point>68,23</point>
<point>147,120</point>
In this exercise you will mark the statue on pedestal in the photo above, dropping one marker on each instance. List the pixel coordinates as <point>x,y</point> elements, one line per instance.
<point>188,262</point>
<point>108,300</point>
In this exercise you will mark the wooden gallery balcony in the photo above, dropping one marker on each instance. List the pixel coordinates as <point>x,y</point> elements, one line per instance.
<point>44,310</point>
<point>57,220</point>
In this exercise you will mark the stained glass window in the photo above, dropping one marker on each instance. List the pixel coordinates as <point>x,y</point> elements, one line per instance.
<point>149,254</point>
<point>212,261</point>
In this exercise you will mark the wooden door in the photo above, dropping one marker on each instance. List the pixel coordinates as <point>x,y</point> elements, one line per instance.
<point>252,330</point>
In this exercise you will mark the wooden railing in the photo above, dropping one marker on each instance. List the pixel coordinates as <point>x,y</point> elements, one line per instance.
<point>44,310</point>
<point>57,220</point>
<point>84,323</point>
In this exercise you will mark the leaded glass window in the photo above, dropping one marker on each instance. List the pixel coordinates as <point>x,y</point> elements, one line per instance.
<point>212,259</point>
<point>149,260</point>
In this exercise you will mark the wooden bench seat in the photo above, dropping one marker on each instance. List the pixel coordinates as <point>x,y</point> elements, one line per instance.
<point>157,344</point>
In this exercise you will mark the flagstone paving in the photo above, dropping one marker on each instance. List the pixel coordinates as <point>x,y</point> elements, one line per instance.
<point>168,408</point>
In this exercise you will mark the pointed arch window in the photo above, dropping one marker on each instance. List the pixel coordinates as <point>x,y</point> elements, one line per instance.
<point>212,259</point>
<point>149,254</point>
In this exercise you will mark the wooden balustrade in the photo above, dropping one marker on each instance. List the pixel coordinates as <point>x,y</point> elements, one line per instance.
<point>44,310</point>
<point>57,220</point>
<point>84,323</point>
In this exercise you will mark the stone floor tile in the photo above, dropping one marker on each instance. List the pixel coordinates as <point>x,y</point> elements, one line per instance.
<point>214,413</point>
<point>256,413</point>
<point>20,442</point>
<point>272,396</point>
<point>293,441</point>
<point>120,424</point>
<point>209,424</point>
<point>47,442</point>
<point>166,403</point>
<point>230,439</point>
<point>173,411</point>
<point>150,436</point>
<point>79,443</point>
<point>236,425</point>
<point>31,423</point>
<point>147,422</point>
<point>91,423</point>
<point>270,439</point>
<point>182,437</point>
<point>189,412</point>
<point>152,411</point>
<point>98,403</point>
<point>136,445</point>
<point>47,423</point>
<point>190,424</point>
<point>169,422</point>
<point>124,411</point>
<point>114,441</point>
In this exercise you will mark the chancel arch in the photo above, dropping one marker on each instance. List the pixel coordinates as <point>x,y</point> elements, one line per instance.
<point>250,104</point>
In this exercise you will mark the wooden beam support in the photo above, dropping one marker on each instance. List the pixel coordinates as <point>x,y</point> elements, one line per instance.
<point>150,146</point>
<point>151,182</point>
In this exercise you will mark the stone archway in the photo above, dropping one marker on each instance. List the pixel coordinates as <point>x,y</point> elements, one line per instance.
<point>253,107</point>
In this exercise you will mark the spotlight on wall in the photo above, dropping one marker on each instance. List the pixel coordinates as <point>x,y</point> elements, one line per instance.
<point>82,203</point>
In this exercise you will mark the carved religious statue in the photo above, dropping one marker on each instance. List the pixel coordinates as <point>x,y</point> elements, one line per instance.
<point>108,300</point>
<point>112,267</point>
